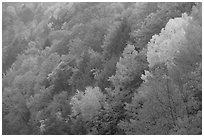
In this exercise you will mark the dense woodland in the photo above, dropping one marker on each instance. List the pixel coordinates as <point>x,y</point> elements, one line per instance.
<point>102,68</point>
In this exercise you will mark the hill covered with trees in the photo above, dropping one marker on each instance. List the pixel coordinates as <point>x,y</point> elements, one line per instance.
<point>102,68</point>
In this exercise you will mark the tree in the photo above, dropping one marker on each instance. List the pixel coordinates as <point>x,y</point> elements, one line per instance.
<point>86,105</point>
<point>130,65</point>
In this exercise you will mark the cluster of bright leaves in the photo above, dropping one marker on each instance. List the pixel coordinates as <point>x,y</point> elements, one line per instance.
<point>88,103</point>
<point>164,47</point>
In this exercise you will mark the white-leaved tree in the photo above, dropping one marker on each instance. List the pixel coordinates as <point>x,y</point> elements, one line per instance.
<point>86,105</point>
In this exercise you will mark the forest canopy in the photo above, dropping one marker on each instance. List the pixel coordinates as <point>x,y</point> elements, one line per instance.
<point>131,68</point>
